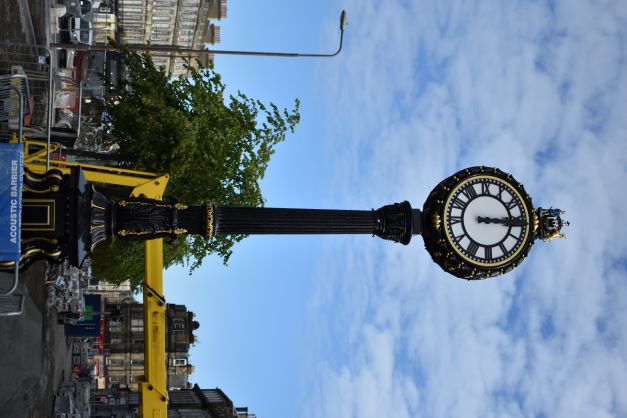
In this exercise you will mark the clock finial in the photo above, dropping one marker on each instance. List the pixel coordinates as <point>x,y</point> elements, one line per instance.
<point>550,223</point>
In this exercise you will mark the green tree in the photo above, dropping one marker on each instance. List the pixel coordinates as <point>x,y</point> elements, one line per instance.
<point>215,148</point>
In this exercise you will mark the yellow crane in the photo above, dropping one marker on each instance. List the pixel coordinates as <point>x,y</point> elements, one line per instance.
<point>153,387</point>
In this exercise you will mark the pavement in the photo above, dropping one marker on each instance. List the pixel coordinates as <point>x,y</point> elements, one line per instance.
<point>34,352</point>
<point>35,355</point>
<point>25,21</point>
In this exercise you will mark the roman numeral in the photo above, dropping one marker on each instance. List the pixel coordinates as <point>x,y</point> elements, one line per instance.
<point>470,192</point>
<point>472,248</point>
<point>511,204</point>
<point>513,236</point>
<point>500,194</point>
<point>455,220</point>
<point>458,203</point>
<point>502,247</point>
<point>485,188</point>
<point>488,253</point>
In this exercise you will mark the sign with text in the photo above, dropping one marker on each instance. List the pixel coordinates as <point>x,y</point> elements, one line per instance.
<point>11,171</point>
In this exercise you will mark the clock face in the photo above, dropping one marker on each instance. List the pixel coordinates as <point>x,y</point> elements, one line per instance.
<point>478,223</point>
<point>486,220</point>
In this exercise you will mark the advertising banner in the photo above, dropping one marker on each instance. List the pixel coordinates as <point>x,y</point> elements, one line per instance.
<point>11,171</point>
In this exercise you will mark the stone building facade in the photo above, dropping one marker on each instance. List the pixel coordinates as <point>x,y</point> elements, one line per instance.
<point>123,360</point>
<point>185,403</point>
<point>184,23</point>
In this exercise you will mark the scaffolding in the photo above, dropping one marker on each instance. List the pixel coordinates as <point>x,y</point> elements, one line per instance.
<point>31,64</point>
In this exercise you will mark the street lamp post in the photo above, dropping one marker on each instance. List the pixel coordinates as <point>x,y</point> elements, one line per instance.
<point>176,48</point>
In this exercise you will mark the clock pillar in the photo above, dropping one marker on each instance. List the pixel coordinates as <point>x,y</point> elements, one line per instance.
<point>396,222</point>
<point>141,219</point>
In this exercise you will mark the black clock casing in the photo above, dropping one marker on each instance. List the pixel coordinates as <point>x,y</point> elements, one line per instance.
<point>469,260</point>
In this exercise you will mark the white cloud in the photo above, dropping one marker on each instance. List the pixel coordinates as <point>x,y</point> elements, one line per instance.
<point>426,88</point>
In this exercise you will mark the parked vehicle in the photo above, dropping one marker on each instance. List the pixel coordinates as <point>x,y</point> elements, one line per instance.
<point>78,8</point>
<point>76,30</point>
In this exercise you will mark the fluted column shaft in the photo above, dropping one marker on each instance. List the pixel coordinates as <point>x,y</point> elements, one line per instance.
<point>251,220</point>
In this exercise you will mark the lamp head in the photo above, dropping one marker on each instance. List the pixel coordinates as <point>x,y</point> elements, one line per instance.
<point>343,22</point>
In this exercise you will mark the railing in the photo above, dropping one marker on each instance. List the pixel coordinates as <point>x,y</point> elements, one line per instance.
<point>26,110</point>
<point>34,64</point>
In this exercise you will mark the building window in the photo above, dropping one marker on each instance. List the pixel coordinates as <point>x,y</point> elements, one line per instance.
<point>212,396</point>
<point>116,341</point>
<point>137,325</point>
<point>137,361</point>
<point>117,379</point>
<point>179,362</point>
<point>134,38</point>
<point>131,10</point>
<point>115,362</point>
<point>126,17</point>
<point>138,340</point>
<point>133,25</point>
<point>160,38</point>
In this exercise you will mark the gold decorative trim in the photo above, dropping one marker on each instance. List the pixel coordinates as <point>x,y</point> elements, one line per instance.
<point>54,188</point>
<point>176,231</point>
<point>39,250</point>
<point>178,206</point>
<point>209,220</point>
<point>436,221</point>
<point>50,206</point>
<point>30,176</point>
<point>536,221</point>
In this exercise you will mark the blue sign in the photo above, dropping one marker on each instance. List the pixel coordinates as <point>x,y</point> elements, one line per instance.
<point>11,171</point>
<point>89,326</point>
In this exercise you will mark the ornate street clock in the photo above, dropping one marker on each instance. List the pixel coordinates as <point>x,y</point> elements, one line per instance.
<point>476,224</point>
<point>479,223</point>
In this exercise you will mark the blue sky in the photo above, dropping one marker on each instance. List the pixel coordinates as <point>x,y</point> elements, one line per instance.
<point>341,326</point>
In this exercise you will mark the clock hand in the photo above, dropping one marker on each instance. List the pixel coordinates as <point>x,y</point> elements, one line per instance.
<point>502,221</point>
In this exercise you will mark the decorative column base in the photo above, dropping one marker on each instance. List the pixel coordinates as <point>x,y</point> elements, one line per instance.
<point>398,222</point>
<point>63,217</point>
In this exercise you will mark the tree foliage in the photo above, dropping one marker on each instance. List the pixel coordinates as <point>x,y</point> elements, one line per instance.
<point>215,148</point>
